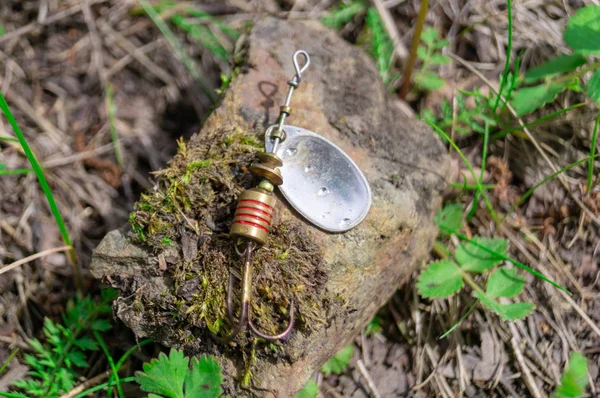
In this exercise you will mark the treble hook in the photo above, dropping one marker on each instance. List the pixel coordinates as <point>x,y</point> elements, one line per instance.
<point>245,317</point>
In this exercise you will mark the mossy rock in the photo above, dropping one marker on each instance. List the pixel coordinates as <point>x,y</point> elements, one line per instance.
<point>171,265</point>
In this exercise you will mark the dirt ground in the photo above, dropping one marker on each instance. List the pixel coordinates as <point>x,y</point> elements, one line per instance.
<point>59,57</point>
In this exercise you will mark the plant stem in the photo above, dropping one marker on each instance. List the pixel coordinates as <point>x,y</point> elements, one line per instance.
<point>592,155</point>
<point>412,57</point>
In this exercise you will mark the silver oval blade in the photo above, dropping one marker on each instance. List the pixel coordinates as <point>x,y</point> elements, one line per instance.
<point>320,181</point>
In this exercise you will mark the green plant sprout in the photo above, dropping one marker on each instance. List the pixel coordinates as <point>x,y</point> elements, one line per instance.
<point>574,379</point>
<point>337,364</point>
<point>479,255</point>
<point>564,72</point>
<point>430,53</point>
<point>172,377</point>
<point>339,16</point>
<point>382,47</point>
<point>53,366</point>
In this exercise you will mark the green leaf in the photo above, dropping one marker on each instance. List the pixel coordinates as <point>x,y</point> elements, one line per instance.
<point>504,282</point>
<point>574,380</point>
<point>439,59</point>
<point>474,259</point>
<point>101,325</point>
<point>593,87</point>
<point>86,343</point>
<point>529,99</point>
<point>374,326</point>
<point>555,66</point>
<point>508,312</point>
<point>339,361</point>
<point>421,52</point>
<point>429,35</point>
<point>205,378</point>
<point>310,390</point>
<point>165,375</point>
<point>582,33</point>
<point>449,219</point>
<point>429,80</point>
<point>343,14</point>
<point>440,279</point>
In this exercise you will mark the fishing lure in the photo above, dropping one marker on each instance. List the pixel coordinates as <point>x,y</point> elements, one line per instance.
<point>316,178</point>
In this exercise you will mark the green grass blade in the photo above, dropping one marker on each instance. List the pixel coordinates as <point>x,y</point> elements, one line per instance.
<point>530,191</point>
<point>179,50</point>
<point>508,51</point>
<point>111,362</point>
<point>480,188</point>
<point>542,119</point>
<point>101,387</point>
<point>592,155</point>
<point>39,172</point>
<point>8,360</point>
<point>484,152</point>
<point>14,172</point>
<point>112,124</point>
<point>461,320</point>
<point>8,139</point>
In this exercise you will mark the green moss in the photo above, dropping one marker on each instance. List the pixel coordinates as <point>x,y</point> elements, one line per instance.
<point>194,201</point>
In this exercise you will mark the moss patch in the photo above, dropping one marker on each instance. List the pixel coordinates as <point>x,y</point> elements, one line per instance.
<point>191,209</point>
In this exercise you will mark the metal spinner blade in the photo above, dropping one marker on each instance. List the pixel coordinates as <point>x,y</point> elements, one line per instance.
<point>320,181</point>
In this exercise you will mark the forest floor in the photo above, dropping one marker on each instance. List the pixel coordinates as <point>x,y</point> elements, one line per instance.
<point>66,64</point>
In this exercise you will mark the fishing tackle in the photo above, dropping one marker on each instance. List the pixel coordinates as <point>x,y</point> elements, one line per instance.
<point>315,176</point>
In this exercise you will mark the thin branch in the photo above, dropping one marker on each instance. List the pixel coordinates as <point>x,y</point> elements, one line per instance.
<point>33,257</point>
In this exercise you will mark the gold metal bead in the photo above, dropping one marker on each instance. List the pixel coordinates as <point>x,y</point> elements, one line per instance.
<point>285,109</point>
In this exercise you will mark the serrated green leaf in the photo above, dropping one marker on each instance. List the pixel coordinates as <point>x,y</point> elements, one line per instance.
<point>164,376</point>
<point>421,52</point>
<point>429,35</point>
<point>555,66</point>
<point>574,379</point>
<point>474,259</point>
<point>504,282</point>
<point>429,80</point>
<point>339,361</point>
<point>205,378</point>
<point>101,325</point>
<point>86,343</point>
<point>77,358</point>
<point>582,33</point>
<point>508,312</point>
<point>529,99</point>
<point>439,59</point>
<point>440,279</point>
<point>310,390</point>
<point>592,88</point>
<point>449,218</point>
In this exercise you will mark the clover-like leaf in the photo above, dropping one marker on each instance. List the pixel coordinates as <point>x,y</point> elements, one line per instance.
<point>449,219</point>
<point>574,379</point>
<point>205,378</point>
<point>504,282</point>
<point>508,312</point>
<point>529,99</point>
<point>554,66</point>
<point>481,254</point>
<point>164,376</point>
<point>440,279</point>
<point>582,33</point>
<point>593,86</point>
<point>310,390</point>
<point>429,35</point>
<point>339,361</point>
